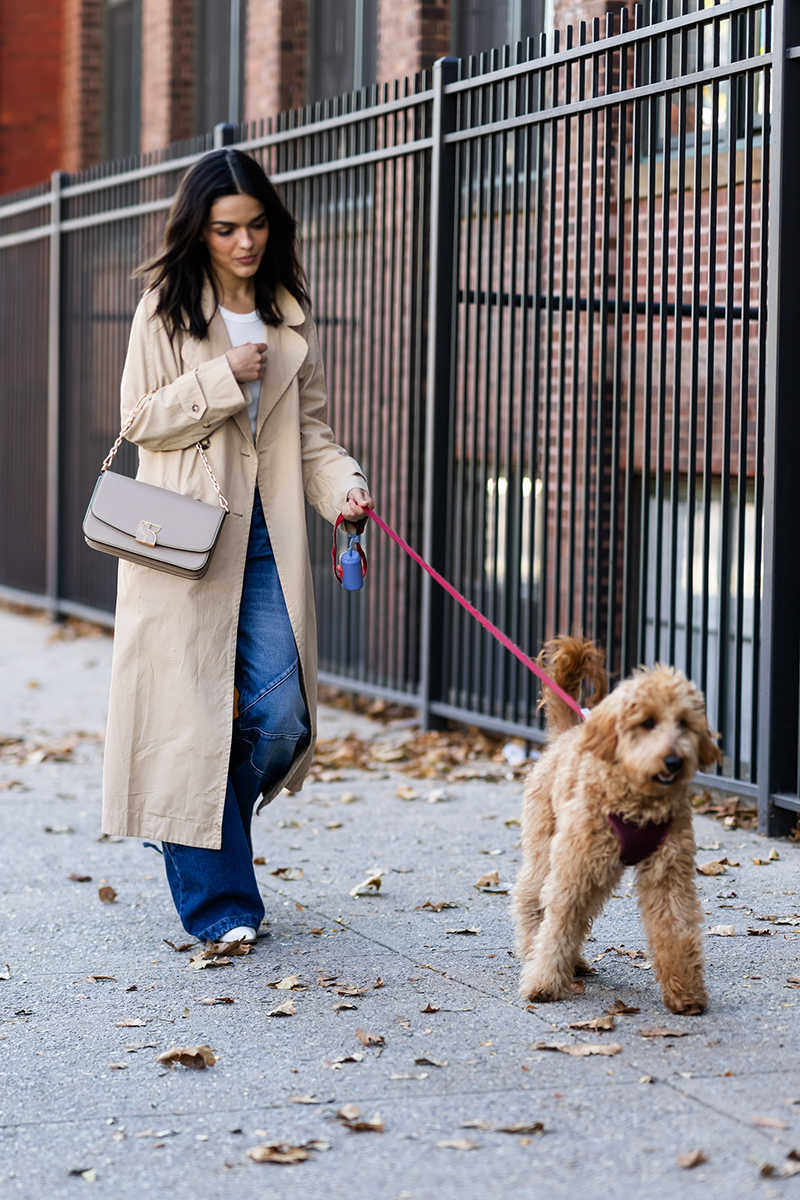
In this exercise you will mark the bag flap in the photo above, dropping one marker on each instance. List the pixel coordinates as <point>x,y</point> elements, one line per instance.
<point>136,508</point>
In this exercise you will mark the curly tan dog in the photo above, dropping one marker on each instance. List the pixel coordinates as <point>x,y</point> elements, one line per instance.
<point>610,792</point>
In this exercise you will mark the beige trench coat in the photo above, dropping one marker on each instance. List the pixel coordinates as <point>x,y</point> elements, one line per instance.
<point>171,708</point>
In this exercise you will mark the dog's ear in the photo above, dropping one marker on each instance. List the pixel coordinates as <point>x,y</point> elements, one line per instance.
<point>708,752</point>
<point>600,733</point>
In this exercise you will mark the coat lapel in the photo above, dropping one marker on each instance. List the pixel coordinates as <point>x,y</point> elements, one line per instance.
<point>286,353</point>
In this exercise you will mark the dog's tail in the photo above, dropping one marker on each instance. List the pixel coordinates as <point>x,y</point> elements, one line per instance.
<point>571,662</point>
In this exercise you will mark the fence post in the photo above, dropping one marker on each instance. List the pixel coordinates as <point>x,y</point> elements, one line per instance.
<point>224,135</point>
<point>780,625</point>
<point>437,382</point>
<point>52,529</point>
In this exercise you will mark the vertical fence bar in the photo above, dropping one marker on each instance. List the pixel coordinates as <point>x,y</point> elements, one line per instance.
<point>53,396</point>
<point>780,629</point>
<point>438,381</point>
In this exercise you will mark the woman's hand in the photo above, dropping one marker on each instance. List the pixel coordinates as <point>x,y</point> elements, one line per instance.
<point>357,505</point>
<point>248,362</point>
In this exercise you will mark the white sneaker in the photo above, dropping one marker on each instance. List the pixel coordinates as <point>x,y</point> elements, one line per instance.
<point>242,933</point>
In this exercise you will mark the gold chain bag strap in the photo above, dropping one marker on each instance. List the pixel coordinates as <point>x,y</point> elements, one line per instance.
<point>150,525</point>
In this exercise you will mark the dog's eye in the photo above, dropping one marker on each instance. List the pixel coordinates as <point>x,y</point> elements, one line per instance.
<point>649,723</point>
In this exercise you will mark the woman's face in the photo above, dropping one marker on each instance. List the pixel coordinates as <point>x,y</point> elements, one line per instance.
<point>236,234</point>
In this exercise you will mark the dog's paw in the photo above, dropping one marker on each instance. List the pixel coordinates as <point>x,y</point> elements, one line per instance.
<point>688,1006</point>
<point>534,987</point>
<point>582,967</point>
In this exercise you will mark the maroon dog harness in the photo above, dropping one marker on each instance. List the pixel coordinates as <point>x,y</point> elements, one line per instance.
<point>637,842</point>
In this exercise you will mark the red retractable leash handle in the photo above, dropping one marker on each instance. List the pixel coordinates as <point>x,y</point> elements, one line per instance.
<point>462,600</point>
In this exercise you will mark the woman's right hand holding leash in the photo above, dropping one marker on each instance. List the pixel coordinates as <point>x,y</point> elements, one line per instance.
<point>248,362</point>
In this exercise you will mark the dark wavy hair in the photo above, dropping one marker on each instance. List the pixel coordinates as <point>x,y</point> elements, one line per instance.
<point>181,267</point>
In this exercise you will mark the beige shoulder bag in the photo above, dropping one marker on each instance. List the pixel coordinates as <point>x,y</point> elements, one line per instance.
<point>150,525</point>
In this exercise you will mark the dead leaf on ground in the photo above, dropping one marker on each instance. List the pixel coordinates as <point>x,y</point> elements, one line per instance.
<point>660,1031</point>
<point>335,1063</point>
<point>214,999</point>
<point>751,932</point>
<point>378,983</point>
<point>424,1061</point>
<point>407,793</point>
<point>107,894</point>
<point>760,862</point>
<point>773,855</point>
<point>769,1122</point>
<point>288,984</point>
<point>370,1039</point>
<point>438,906</point>
<point>278,1152</point>
<point>195,1057</point>
<point>370,885</point>
<point>5,972</point>
<point>474,929</point>
<point>620,1008</point>
<point>342,1005</point>
<point>100,978</point>
<point>788,1169</point>
<point>794,980</point>
<point>457,1144</point>
<point>76,878</point>
<point>259,861</point>
<point>237,949</point>
<point>350,1115</point>
<point>687,1161</point>
<point>583,1049</point>
<point>346,989</point>
<point>723,931</point>
<point>578,987</point>
<point>488,880</point>
<point>601,1024</point>
<point>206,959</point>
<point>288,873</point>
<point>305,1100</point>
<point>287,1009</point>
<point>130,1023</point>
<point>181,948</point>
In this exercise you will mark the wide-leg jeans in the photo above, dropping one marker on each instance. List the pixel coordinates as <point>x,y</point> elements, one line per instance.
<point>216,890</point>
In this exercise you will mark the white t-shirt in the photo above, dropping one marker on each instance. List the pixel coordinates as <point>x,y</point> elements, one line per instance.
<point>243,328</point>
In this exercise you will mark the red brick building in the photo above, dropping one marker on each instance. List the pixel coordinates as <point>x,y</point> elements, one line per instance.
<point>86,80</point>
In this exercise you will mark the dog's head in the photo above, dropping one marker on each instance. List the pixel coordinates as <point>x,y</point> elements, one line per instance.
<point>654,728</point>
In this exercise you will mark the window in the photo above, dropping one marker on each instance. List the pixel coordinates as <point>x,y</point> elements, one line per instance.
<point>121,91</point>
<point>478,25</point>
<point>343,37</point>
<point>219,63</point>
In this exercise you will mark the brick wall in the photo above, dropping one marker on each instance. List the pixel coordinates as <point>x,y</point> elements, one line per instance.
<point>275,57</point>
<point>82,83</point>
<point>411,37</point>
<point>30,92</point>
<point>167,69</point>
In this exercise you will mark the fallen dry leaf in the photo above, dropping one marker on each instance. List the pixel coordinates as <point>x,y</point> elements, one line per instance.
<point>206,959</point>
<point>342,1005</point>
<point>100,978</point>
<point>370,1039</point>
<point>214,999</point>
<point>457,1144</point>
<point>659,1031</point>
<point>793,979</point>
<point>370,885</point>
<point>287,1009</point>
<point>474,929</point>
<point>583,1049</point>
<point>130,1023</point>
<point>288,984</point>
<point>424,1061</point>
<point>723,931</point>
<point>350,1114</point>
<point>288,873</point>
<point>760,862</point>
<point>407,793</point>
<point>430,1008</point>
<point>76,878</point>
<point>773,855</point>
<point>490,879</point>
<point>196,1057</point>
<point>5,972</point>
<point>259,861</point>
<point>58,829</point>
<point>687,1161</point>
<point>305,1100</point>
<point>600,1024</point>
<point>107,894</point>
<point>438,906</point>
<point>181,948</point>
<point>348,798</point>
<point>759,932</point>
<point>620,1008</point>
<point>378,983</point>
<point>529,1127</point>
<point>278,1152</point>
<point>238,949</point>
<point>788,1169</point>
<point>578,987</point>
<point>769,1122</point>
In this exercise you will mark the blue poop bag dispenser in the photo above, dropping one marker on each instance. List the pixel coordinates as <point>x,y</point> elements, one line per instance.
<point>352,566</point>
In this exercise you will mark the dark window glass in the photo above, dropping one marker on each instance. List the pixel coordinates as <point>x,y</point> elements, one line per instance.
<point>218,73</point>
<point>479,25</point>
<point>343,39</point>
<point>122,51</point>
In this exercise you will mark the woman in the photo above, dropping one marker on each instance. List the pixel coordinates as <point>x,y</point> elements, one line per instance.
<point>213,693</point>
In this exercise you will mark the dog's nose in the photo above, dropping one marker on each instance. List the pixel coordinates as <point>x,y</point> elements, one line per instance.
<point>673,763</point>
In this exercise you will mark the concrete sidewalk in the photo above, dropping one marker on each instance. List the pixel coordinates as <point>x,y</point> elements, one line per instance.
<point>84,1105</point>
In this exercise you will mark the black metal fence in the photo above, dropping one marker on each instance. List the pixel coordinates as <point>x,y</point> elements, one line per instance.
<point>540,284</point>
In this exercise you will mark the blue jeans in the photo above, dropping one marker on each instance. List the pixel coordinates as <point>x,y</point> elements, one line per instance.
<point>216,890</point>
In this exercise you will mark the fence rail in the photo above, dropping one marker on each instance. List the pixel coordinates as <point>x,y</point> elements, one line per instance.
<point>540,285</point>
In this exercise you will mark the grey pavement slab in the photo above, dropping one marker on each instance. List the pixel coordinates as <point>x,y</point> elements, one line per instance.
<point>78,1076</point>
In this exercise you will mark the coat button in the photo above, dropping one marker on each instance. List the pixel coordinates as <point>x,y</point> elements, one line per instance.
<point>195,408</point>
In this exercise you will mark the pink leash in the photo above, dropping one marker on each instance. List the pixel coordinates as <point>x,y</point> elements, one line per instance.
<point>484,621</point>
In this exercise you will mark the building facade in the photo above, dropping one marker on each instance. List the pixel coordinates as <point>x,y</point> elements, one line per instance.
<point>83,81</point>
